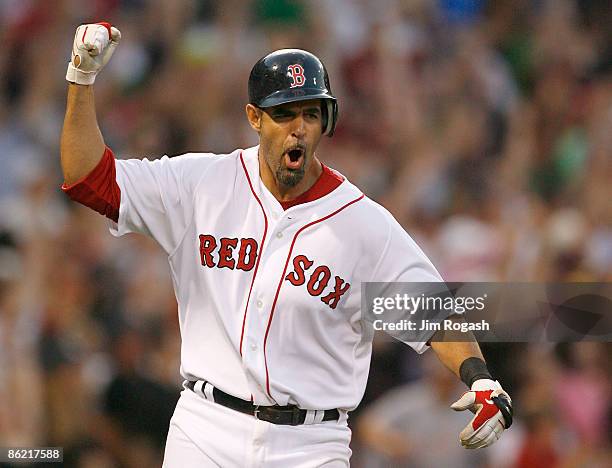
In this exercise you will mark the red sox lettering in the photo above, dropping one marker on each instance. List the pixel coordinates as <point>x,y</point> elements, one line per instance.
<point>316,284</point>
<point>319,278</point>
<point>247,253</point>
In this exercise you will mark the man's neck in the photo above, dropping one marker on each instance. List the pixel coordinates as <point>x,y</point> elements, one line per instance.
<point>283,193</point>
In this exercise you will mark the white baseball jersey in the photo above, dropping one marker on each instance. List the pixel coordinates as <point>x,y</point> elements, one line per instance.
<point>269,299</point>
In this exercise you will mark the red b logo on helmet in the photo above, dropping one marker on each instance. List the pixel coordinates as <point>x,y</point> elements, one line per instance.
<point>297,75</point>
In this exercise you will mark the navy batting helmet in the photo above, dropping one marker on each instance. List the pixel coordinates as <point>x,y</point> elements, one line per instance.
<point>290,75</point>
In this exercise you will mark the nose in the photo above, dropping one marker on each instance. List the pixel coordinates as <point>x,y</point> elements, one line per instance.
<point>299,126</point>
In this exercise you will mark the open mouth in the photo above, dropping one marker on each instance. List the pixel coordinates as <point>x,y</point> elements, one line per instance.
<point>294,158</point>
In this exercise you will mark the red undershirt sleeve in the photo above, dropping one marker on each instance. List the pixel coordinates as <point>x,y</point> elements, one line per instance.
<point>99,190</point>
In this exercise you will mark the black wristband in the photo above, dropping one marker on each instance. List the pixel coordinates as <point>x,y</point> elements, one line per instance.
<point>473,369</point>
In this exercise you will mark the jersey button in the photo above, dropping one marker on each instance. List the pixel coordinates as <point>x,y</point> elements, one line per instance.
<point>260,304</point>
<point>253,347</point>
<point>279,235</point>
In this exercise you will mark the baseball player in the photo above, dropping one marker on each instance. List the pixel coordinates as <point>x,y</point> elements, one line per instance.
<point>267,248</point>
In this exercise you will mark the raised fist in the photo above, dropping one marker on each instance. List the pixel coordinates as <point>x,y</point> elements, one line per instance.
<point>92,48</point>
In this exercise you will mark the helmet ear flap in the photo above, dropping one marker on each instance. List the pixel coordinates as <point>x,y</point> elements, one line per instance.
<point>325,116</point>
<point>329,116</point>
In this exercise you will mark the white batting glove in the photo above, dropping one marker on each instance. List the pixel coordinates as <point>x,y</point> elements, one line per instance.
<point>92,48</point>
<point>493,413</point>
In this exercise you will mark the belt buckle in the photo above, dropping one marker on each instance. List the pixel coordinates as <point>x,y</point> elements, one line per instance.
<point>265,413</point>
<point>274,416</point>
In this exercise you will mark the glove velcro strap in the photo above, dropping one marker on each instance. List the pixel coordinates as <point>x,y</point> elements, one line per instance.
<point>74,75</point>
<point>502,402</point>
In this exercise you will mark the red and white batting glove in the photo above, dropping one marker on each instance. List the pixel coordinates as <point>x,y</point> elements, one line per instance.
<point>92,48</point>
<point>493,413</point>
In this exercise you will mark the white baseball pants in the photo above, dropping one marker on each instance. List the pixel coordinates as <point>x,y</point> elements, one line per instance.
<point>206,434</point>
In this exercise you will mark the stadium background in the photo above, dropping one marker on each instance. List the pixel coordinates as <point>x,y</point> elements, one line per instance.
<point>485,127</point>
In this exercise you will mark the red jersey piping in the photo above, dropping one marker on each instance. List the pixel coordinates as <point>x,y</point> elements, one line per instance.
<point>283,277</point>
<point>261,246</point>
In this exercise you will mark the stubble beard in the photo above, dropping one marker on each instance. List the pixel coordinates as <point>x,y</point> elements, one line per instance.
<point>289,177</point>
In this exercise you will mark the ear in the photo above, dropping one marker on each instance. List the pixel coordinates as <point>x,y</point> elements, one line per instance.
<point>254,116</point>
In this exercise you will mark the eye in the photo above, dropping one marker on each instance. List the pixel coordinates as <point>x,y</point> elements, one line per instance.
<point>313,114</point>
<point>282,115</point>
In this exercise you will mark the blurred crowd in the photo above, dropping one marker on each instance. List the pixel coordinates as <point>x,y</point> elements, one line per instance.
<point>484,127</point>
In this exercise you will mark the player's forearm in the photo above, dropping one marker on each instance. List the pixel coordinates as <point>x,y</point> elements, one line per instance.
<point>82,145</point>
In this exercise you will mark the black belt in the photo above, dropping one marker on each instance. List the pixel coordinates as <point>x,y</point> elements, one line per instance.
<point>286,415</point>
